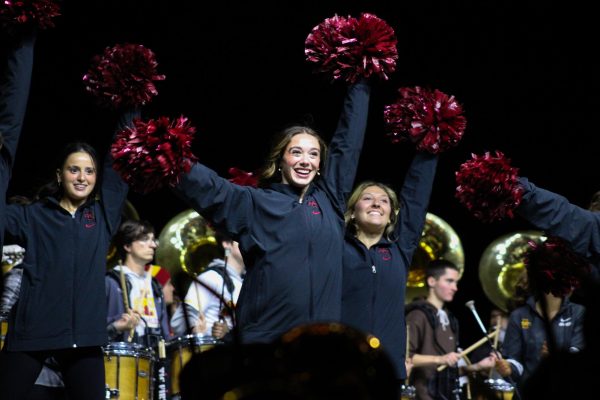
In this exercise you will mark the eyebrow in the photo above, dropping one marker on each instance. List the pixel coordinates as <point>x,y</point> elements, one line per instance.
<point>300,148</point>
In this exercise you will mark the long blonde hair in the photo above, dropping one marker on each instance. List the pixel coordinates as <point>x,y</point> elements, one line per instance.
<point>270,171</point>
<point>355,196</point>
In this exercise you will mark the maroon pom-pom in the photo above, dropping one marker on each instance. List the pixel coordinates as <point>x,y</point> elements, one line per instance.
<point>431,119</point>
<point>34,12</point>
<point>553,267</point>
<point>123,76</point>
<point>348,48</point>
<point>151,154</point>
<point>488,186</point>
<point>242,178</point>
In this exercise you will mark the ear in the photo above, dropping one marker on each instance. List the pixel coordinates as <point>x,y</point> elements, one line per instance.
<point>431,281</point>
<point>127,248</point>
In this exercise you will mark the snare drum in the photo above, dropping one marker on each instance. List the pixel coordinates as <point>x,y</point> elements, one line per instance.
<point>129,370</point>
<point>502,390</point>
<point>408,392</point>
<point>180,351</point>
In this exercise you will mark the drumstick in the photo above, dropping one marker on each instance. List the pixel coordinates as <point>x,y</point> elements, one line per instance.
<point>496,338</point>
<point>406,356</point>
<point>197,290</point>
<point>125,297</point>
<point>471,348</point>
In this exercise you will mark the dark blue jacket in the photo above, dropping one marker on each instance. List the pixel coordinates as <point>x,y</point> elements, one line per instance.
<point>14,92</point>
<point>292,250</point>
<point>526,334</point>
<point>62,303</point>
<point>556,216</point>
<point>374,280</point>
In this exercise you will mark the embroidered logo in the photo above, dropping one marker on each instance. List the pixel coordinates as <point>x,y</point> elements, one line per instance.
<point>385,254</point>
<point>316,210</point>
<point>564,322</point>
<point>89,219</point>
<point>525,323</point>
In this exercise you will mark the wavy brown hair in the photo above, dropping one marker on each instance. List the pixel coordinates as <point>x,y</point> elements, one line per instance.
<point>270,171</point>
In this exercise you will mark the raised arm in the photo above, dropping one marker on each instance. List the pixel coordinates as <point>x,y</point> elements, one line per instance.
<point>14,92</point>
<point>224,203</point>
<point>414,200</point>
<point>114,189</point>
<point>556,216</point>
<point>347,141</point>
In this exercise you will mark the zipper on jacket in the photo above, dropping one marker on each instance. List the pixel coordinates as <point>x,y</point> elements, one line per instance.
<point>373,269</point>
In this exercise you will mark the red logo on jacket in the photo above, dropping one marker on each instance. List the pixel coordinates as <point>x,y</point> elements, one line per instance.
<point>385,254</point>
<point>89,219</point>
<point>316,210</point>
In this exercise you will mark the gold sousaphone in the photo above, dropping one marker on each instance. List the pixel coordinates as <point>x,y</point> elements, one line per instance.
<point>187,243</point>
<point>438,240</point>
<point>502,264</point>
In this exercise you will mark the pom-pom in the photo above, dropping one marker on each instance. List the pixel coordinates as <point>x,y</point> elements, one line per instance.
<point>31,12</point>
<point>488,186</point>
<point>154,153</point>
<point>123,76</point>
<point>242,178</point>
<point>431,119</point>
<point>349,48</point>
<point>553,267</point>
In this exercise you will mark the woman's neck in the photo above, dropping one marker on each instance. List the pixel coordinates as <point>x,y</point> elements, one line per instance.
<point>369,238</point>
<point>70,205</point>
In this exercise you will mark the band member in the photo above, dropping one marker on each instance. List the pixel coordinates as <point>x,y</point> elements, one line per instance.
<point>142,311</point>
<point>553,271</point>
<point>434,336</point>
<point>208,314</point>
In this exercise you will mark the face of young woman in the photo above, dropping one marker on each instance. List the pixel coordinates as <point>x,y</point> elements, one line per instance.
<point>301,160</point>
<point>78,177</point>
<point>372,210</point>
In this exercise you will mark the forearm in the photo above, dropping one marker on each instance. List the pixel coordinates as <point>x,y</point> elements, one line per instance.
<point>426,360</point>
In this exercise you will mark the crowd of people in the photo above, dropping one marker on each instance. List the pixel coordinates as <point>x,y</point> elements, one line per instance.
<point>307,300</point>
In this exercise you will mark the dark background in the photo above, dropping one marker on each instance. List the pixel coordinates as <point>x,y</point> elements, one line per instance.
<point>525,72</point>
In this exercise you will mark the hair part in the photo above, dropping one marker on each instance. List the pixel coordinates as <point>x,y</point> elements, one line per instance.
<point>355,197</point>
<point>271,170</point>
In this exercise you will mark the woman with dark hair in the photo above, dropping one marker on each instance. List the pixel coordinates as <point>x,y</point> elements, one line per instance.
<point>383,232</point>
<point>290,230</point>
<point>61,309</point>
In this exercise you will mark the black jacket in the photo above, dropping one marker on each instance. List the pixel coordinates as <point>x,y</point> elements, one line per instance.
<point>62,300</point>
<point>292,250</point>
<point>374,281</point>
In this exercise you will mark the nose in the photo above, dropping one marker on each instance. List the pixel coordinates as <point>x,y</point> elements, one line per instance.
<point>80,176</point>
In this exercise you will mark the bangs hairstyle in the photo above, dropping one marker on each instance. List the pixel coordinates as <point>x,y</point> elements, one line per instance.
<point>270,171</point>
<point>355,196</point>
<point>130,231</point>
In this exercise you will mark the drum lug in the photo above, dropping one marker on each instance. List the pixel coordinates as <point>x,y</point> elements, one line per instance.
<point>112,393</point>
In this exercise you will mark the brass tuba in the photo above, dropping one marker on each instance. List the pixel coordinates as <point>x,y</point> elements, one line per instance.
<point>438,240</point>
<point>502,264</point>
<point>187,243</point>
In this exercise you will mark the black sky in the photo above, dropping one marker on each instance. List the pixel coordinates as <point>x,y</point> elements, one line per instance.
<point>525,71</point>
